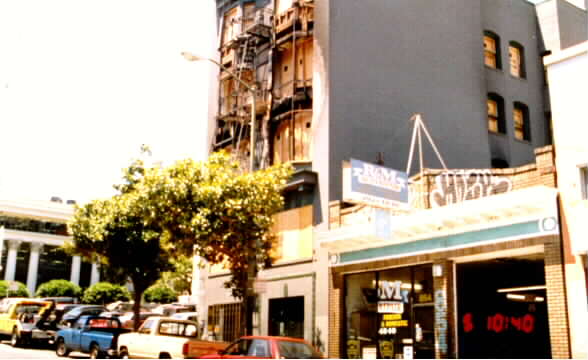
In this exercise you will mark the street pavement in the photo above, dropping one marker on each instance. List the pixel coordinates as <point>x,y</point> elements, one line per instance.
<point>38,352</point>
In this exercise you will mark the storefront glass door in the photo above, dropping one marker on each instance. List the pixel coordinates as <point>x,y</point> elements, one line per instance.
<point>389,314</point>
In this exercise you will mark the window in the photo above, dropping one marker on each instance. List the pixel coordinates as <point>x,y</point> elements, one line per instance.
<point>520,115</point>
<point>516,56</point>
<point>584,181</point>
<point>495,105</point>
<point>146,328</point>
<point>492,50</point>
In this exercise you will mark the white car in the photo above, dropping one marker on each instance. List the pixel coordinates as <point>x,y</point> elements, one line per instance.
<point>191,316</point>
<point>166,338</point>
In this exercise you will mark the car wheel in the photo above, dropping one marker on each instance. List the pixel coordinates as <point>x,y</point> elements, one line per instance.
<point>61,350</point>
<point>164,356</point>
<point>124,354</point>
<point>15,339</point>
<point>94,352</point>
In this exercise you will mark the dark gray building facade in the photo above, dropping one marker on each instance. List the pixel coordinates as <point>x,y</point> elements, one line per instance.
<point>341,79</point>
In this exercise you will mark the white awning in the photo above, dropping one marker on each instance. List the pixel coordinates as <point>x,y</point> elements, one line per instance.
<point>489,212</point>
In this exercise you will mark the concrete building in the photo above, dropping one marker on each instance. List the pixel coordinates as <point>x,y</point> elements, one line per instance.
<point>31,234</point>
<point>564,69</point>
<point>340,79</point>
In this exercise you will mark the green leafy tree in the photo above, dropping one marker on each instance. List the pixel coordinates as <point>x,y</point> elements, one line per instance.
<point>59,287</point>
<point>114,232</point>
<point>180,279</point>
<point>160,294</point>
<point>215,210</point>
<point>104,292</point>
<point>5,291</point>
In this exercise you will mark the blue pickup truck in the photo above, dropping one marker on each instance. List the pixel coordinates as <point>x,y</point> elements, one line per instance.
<point>95,335</point>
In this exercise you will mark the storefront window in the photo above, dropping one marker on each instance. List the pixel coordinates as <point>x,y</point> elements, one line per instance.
<point>389,314</point>
<point>361,315</point>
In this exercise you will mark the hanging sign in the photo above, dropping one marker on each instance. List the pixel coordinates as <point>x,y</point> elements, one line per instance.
<point>370,184</point>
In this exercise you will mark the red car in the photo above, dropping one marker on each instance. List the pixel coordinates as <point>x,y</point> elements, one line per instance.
<point>267,347</point>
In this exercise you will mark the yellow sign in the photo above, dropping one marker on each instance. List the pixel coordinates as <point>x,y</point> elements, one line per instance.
<point>394,323</point>
<point>353,349</point>
<point>392,317</point>
<point>424,298</point>
<point>386,349</point>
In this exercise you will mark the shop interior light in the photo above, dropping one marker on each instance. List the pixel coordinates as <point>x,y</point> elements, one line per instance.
<point>515,297</point>
<point>522,288</point>
<point>525,298</point>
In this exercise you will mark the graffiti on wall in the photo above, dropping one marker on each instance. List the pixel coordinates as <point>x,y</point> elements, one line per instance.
<point>455,186</point>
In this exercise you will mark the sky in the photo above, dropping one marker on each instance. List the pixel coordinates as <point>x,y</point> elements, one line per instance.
<point>83,83</point>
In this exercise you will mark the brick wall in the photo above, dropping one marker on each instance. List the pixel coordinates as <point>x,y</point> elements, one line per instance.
<point>556,304</point>
<point>336,312</point>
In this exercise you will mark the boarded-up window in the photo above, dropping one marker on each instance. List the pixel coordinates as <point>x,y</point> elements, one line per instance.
<point>521,122</point>
<point>293,230</point>
<point>293,138</point>
<point>516,57</point>
<point>490,52</point>
<point>227,97</point>
<point>492,115</point>
<point>248,15</point>
<point>495,110</point>
<point>231,26</point>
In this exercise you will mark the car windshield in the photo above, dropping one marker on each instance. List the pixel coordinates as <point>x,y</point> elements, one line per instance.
<point>178,329</point>
<point>28,308</point>
<point>297,350</point>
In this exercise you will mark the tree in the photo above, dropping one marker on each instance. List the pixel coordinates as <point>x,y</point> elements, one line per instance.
<point>104,292</point>
<point>160,294</point>
<point>59,287</point>
<point>180,278</point>
<point>5,289</point>
<point>114,233</point>
<point>214,210</point>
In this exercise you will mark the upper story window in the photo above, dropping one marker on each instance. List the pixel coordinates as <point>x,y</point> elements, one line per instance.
<point>492,50</point>
<point>584,181</point>
<point>520,115</point>
<point>496,123</point>
<point>516,55</point>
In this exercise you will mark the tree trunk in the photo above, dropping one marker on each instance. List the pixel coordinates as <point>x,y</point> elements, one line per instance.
<point>137,306</point>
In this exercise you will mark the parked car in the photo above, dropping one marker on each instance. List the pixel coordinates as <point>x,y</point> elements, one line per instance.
<point>21,318</point>
<point>70,317</point>
<point>171,309</point>
<point>270,347</point>
<point>191,316</point>
<point>166,338</point>
<point>62,302</point>
<point>94,335</point>
<point>128,319</point>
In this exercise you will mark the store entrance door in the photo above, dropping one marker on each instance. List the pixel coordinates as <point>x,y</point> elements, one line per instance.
<point>502,309</point>
<point>286,317</point>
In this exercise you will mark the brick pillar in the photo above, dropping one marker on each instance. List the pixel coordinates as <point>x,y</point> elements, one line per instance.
<point>444,308</point>
<point>545,161</point>
<point>335,315</point>
<point>556,300</point>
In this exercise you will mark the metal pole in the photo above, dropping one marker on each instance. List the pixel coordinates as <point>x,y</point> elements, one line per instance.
<point>252,137</point>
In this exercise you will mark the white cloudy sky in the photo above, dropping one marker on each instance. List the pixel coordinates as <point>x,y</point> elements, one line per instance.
<point>83,83</point>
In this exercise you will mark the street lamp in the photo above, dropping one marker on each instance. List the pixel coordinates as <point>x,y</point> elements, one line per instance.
<point>251,88</point>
